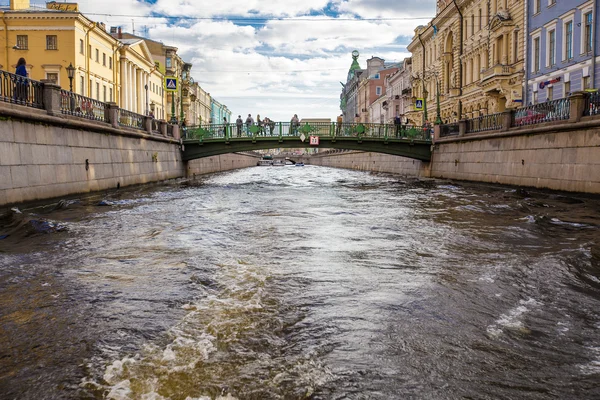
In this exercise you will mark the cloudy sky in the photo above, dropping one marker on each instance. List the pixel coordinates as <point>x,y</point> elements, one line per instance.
<point>277,57</point>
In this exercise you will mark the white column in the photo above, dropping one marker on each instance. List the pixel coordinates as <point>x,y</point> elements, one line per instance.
<point>123,94</point>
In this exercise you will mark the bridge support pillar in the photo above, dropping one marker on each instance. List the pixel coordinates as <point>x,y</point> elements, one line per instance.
<point>112,116</point>
<point>577,106</point>
<point>148,124</point>
<point>52,98</point>
<point>163,127</point>
<point>462,127</point>
<point>176,132</point>
<point>507,117</point>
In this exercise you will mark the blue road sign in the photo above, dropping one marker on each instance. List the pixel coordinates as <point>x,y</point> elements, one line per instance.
<point>418,104</point>
<point>170,83</point>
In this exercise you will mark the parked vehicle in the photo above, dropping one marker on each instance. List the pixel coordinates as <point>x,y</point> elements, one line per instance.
<point>529,117</point>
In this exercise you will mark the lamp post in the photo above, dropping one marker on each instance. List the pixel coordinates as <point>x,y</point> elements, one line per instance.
<point>146,87</point>
<point>71,75</point>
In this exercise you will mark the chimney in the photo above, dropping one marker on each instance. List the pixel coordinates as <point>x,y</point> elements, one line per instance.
<point>119,34</point>
<point>19,4</point>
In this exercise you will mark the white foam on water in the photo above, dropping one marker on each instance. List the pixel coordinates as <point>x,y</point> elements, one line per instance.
<point>592,367</point>
<point>513,319</point>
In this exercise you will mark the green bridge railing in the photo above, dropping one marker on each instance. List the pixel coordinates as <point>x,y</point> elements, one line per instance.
<point>286,129</point>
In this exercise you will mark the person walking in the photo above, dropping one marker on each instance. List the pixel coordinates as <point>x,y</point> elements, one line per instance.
<point>20,94</point>
<point>294,123</point>
<point>249,123</point>
<point>239,123</point>
<point>340,119</point>
<point>259,123</point>
<point>225,126</point>
<point>397,123</point>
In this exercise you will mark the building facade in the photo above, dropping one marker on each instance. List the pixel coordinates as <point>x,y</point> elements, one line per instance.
<point>471,58</point>
<point>349,95</point>
<point>563,50</point>
<point>218,112</point>
<point>398,92</point>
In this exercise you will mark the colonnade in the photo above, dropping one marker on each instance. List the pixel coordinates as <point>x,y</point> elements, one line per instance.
<point>133,83</point>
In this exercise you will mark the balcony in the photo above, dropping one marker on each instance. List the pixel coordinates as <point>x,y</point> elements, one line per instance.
<point>497,70</point>
<point>406,91</point>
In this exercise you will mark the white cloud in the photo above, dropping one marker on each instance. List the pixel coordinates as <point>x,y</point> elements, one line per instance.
<point>264,64</point>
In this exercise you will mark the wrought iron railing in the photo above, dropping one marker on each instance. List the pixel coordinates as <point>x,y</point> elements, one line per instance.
<point>325,129</point>
<point>592,104</point>
<point>449,130</point>
<point>490,122</point>
<point>21,90</point>
<point>81,106</point>
<point>131,119</point>
<point>555,110</point>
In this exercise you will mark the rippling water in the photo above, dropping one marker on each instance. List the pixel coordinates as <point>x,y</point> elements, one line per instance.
<point>303,282</point>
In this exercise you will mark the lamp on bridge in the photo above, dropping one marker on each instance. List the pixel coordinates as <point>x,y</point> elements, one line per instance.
<point>71,75</point>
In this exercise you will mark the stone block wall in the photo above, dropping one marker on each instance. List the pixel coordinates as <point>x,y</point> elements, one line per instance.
<point>41,161</point>
<point>375,162</point>
<point>224,162</point>
<point>564,158</point>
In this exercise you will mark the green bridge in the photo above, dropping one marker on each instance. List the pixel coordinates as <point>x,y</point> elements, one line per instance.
<point>214,139</point>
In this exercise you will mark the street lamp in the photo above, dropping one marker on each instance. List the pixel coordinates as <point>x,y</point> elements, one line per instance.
<point>71,75</point>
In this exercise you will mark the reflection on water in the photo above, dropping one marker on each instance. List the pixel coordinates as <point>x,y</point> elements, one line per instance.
<point>285,283</point>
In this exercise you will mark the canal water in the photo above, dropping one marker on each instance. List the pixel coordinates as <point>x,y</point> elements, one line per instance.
<point>303,283</point>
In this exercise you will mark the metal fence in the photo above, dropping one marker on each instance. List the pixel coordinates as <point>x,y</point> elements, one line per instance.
<point>21,90</point>
<point>592,104</point>
<point>326,129</point>
<point>81,106</point>
<point>155,126</point>
<point>555,110</point>
<point>485,123</point>
<point>131,119</point>
<point>449,130</point>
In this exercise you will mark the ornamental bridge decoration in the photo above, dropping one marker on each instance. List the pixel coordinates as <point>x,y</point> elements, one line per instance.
<point>214,139</point>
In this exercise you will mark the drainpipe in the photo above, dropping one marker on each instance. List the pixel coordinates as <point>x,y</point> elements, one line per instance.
<point>423,81</point>
<point>5,37</point>
<point>525,58</point>
<point>594,43</point>
<point>460,53</point>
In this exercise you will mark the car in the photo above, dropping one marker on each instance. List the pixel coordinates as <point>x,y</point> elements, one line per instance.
<point>528,117</point>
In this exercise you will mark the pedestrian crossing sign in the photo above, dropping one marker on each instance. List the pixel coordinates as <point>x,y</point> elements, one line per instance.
<point>171,83</point>
<point>419,104</point>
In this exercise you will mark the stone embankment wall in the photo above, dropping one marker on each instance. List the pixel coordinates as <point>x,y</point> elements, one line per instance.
<point>559,156</point>
<point>43,157</point>
<point>375,162</point>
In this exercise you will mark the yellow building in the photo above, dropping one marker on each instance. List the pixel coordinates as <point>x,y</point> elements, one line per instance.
<point>106,69</point>
<point>471,55</point>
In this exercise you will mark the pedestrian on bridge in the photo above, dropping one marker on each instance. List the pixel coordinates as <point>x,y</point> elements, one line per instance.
<point>340,119</point>
<point>249,123</point>
<point>294,124</point>
<point>259,123</point>
<point>239,123</point>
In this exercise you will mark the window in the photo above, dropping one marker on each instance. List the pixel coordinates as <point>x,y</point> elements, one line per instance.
<point>537,6</point>
<point>551,3</point>
<point>52,76</point>
<point>110,94</point>
<point>376,76</point>
<point>569,40</point>
<point>97,91</point>
<point>168,62</point>
<point>51,42</point>
<point>567,88</point>
<point>91,88</point>
<point>535,97</point>
<point>378,90</point>
<point>587,33</point>
<point>97,55</point>
<point>550,94</point>
<point>104,59</point>
<point>104,93</point>
<point>586,83</point>
<point>536,54</point>
<point>81,46</point>
<point>82,85</point>
<point>90,50</point>
<point>22,42</point>
<point>479,15</point>
<point>551,48</point>
<point>110,62</point>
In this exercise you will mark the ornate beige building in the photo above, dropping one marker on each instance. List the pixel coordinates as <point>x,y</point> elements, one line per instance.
<point>472,54</point>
